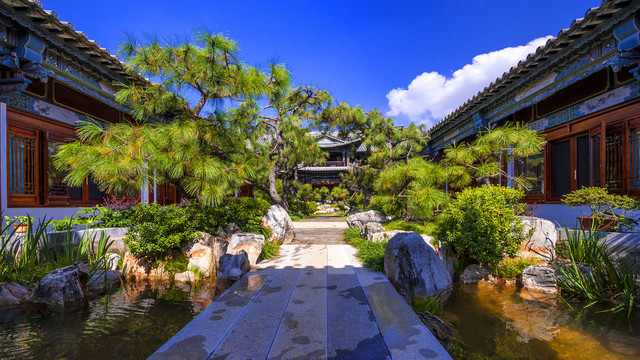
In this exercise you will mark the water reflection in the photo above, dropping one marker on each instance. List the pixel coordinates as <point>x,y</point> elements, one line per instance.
<point>131,323</point>
<point>494,321</point>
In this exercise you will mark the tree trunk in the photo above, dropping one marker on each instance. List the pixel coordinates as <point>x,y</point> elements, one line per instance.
<point>273,182</point>
<point>408,211</point>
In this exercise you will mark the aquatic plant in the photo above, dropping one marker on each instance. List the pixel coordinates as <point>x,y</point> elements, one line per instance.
<point>604,280</point>
<point>432,304</point>
<point>510,268</point>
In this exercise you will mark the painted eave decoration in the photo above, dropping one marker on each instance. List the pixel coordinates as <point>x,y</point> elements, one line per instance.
<point>550,68</point>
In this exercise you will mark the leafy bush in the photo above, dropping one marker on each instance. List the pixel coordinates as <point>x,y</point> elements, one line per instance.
<point>481,226</point>
<point>245,212</point>
<point>370,253</point>
<point>601,204</point>
<point>306,208</point>
<point>397,224</point>
<point>510,268</point>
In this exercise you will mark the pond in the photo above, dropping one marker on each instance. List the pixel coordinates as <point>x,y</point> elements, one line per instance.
<point>494,322</point>
<point>130,323</point>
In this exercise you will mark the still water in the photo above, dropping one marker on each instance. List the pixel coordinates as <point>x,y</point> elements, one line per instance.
<point>494,322</point>
<point>130,323</point>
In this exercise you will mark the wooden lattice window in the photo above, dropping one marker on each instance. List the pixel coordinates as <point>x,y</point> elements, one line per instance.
<point>613,166</point>
<point>23,158</point>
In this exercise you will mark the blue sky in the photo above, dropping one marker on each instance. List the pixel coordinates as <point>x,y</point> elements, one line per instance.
<point>360,51</point>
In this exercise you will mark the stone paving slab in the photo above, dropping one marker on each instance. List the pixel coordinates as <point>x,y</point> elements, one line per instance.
<point>320,230</point>
<point>311,302</point>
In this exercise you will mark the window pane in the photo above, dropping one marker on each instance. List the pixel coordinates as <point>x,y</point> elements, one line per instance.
<point>75,193</point>
<point>94,193</point>
<point>561,168</point>
<point>582,171</point>
<point>532,168</point>
<point>22,164</point>
<point>613,170</point>
<point>55,177</point>
<point>634,158</point>
<point>596,165</point>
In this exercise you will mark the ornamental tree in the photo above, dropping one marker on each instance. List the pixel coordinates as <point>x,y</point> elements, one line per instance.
<point>482,160</point>
<point>206,124</point>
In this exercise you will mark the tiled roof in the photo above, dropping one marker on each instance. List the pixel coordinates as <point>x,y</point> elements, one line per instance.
<point>540,58</point>
<point>99,57</point>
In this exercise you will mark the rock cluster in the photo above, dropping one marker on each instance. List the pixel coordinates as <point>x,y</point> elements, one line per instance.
<point>13,294</point>
<point>475,273</point>
<point>540,278</point>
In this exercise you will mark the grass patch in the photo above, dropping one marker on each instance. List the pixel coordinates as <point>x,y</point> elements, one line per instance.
<point>269,250</point>
<point>177,264</point>
<point>512,267</point>
<point>371,254</point>
<point>431,304</point>
<point>397,224</point>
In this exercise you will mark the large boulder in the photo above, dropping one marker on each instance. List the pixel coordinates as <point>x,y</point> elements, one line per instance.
<point>248,242</point>
<point>279,222</point>
<point>542,240</point>
<point>371,228</point>
<point>204,251</point>
<point>63,286</point>
<point>359,220</point>
<point>13,294</point>
<point>540,278</point>
<point>385,235</point>
<point>232,267</point>
<point>475,273</point>
<point>141,268</point>
<point>414,268</point>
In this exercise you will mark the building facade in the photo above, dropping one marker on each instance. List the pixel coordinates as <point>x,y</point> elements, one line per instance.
<point>339,161</point>
<point>51,78</point>
<point>581,90</point>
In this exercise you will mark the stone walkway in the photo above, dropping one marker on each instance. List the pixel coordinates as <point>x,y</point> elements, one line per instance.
<point>314,301</point>
<point>320,230</point>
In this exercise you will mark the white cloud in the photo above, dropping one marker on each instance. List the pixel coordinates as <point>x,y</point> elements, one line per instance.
<point>432,96</point>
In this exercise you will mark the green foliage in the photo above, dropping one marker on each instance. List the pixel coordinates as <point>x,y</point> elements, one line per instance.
<point>481,225</point>
<point>356,201</point>
<point>432,304</point>
<point>36,256</point>
<point>371,254</point>
<point>383,142</point>
<point>398,224</point>
<point>304,192</point>
<point>512,267</point>
<point>176,264</point>
<point>338,193</point>
<point>607,281</point>
<point>157,229</point>
<point>601,204</point>
<point>269,250</point>
<point>410,190</point>
<point>482,159</point>
<point>306,208</point>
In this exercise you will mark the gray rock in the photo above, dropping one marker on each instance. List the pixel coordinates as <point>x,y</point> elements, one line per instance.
<point>437,327</point>
<point>97,282</point>
<point>231,229</point>
<point>232,267</point>
<point>186,277</point>
<point>248,242</point>
<point>13,294</point>
<point>414,268</point>
<point>384,236</point>
<point>371,228</point>
<point>279,222</point>
<point>204,251</point>
<point>113,260</point>
<point>542,240</point>
<point>540,278</point>
<point>475,273</point>
<point>63,286</point>
<point>359,220</point>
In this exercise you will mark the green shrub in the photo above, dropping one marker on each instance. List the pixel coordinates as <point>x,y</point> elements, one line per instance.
<point>481,226</point>
<point>432,304</point>
<point>510,268</point>
<point>158,229</point>
<point>306,208</point>
<point>269,250</point>
<point>371,254</point>
<point>398,224</point>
